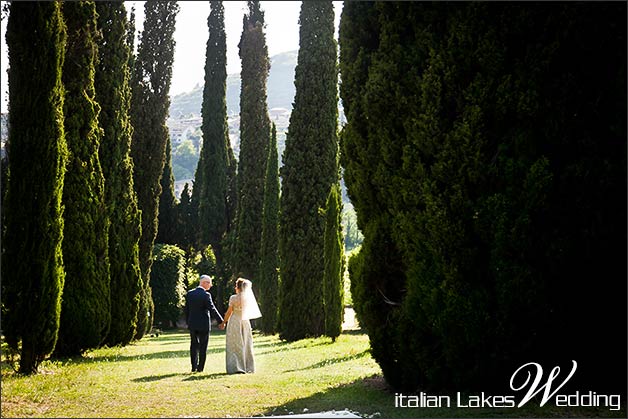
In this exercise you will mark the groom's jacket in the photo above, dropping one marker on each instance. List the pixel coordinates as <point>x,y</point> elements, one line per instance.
<point>198,309</point>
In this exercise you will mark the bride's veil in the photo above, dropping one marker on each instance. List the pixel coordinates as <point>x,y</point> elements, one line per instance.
<point>250,309</point>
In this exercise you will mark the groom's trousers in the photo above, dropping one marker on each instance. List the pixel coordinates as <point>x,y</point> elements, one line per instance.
<point>198,349</point>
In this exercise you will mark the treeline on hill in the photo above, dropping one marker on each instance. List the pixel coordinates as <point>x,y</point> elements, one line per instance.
<point>485,154</point>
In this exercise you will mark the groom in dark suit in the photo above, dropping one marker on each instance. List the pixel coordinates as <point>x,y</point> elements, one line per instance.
<point>198,309</point>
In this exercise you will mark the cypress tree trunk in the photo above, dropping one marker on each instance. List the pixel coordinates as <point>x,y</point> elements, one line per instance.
<point>149,109</point>
<point>32,265</point>
<point>113,93</point>
<point>268,284</point>
<point>310,167</point>
<point>333,283</point>
<point>167,228</point>
<point>85,308</point>
<point>254,139</point>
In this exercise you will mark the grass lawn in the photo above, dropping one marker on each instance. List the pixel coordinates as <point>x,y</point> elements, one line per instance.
<point>151,378</point>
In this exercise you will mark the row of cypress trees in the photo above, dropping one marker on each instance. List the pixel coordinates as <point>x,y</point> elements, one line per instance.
<point>485,154</point>
<point>72,222</point>
<point>100,202</point>
<point>249,245</point>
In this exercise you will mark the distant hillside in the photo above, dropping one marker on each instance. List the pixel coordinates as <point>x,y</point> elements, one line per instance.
<point>280,89</point>
<point>184,122</point>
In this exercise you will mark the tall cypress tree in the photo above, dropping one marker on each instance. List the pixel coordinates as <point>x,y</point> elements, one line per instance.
<point>485,155</point>
<point>149,109</point>
<point>334,250</point>
<point>211,183</point>
<point>310,167</point>
<point>211,173</point>
<point>32,265</point>
<point>85,308</point>
<point>254,139</point>
<point>167,228</point>
<point>113,93</point>
<point>268,284</point>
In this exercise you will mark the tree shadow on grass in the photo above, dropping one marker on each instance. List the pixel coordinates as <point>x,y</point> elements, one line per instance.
<point>178,334</point>
<point>353,332</point>
<point>269,344</point>
<point>285,348</point>
<point>166,338</point>
<point>201,376</point>
<point>184,353</point>
<point>363,397</point>
<point>331,361</point>
<point>188,376</point>
<point>150,378</point>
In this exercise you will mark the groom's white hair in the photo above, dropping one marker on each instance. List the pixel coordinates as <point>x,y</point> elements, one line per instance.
<point>205,278</point>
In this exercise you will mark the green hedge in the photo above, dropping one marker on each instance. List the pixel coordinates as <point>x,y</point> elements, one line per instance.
<point>167,281</point>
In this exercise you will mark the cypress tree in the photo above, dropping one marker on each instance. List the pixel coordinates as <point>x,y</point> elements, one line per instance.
<point>130,41</point>
<point>167,228</point>
<point>113,93</point>
<point>85,308</point>
<point>210,194</point>
<point>489,186</point>
<point>185,220</point>
<point>254,139</point>
<point>32,265</point>
<point>268,284</point>
<point>211,173</point>
<point>228,246</point>
<point>334,251</point>
<point>310,167</point>
<point>149,109</point>
<point>377,265</point>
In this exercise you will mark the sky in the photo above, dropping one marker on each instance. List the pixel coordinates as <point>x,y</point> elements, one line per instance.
<point>282,34</point>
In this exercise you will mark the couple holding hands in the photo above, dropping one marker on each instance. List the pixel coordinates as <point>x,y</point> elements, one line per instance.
<point>198,309</point>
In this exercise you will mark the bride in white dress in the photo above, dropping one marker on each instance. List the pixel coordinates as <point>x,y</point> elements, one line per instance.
<point>239,337</point>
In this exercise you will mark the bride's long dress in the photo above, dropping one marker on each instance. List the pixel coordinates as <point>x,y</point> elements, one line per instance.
<point>239,345</point>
